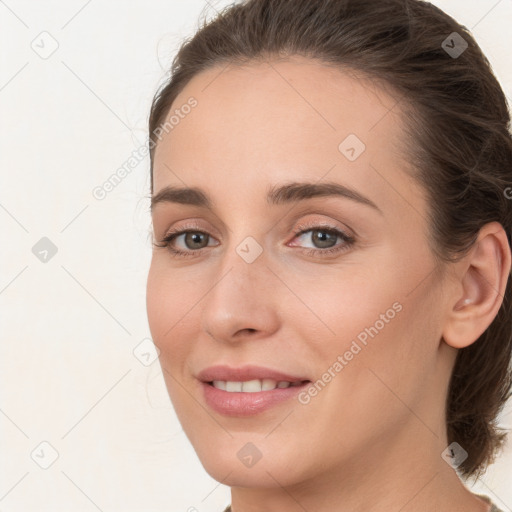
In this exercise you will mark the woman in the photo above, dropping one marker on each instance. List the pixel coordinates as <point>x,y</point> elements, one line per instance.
<point>329,287</point>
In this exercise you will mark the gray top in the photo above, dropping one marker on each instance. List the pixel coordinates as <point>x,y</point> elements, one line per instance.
<point>494,508</point>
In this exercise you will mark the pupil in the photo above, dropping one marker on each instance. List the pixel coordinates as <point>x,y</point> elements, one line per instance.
<point>322,237</point>
<point>194,238</point>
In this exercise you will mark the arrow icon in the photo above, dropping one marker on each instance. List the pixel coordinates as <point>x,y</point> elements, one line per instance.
<point>146,352</point>
<point>248,458</point>
<point>249,249</point>
<point>44,250</point>
<point>352,151</point>
<point>44,455</point>
<point>454,455</point>
<point>454,45</point>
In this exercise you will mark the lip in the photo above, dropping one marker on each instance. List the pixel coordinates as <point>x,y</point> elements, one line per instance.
<point>248,372</point>
<point>246,404</point>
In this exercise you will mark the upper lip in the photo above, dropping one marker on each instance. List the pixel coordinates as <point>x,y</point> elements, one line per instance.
<point>244,373</point>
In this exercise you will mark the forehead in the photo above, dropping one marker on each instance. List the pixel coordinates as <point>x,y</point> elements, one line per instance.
<point>281,120</point>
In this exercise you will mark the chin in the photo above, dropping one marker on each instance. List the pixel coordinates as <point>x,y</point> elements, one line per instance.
<point>240,462</point>
<point>236,475</point>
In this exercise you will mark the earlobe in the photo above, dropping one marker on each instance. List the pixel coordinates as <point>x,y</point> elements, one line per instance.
<point>485,271</point>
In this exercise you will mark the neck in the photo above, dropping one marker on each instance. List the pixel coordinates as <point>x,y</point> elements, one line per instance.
<point>405,474</point>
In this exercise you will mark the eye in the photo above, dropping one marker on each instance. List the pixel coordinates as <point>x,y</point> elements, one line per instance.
<point>323,240</point>
<point>194,241</point>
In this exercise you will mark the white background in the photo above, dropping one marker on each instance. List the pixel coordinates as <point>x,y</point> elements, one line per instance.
<point>69,326</point>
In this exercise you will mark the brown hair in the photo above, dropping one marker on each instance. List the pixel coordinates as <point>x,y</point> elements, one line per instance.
<point>459,143</point>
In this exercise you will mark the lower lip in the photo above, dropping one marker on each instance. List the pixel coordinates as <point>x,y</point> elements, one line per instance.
<point>247,404</point>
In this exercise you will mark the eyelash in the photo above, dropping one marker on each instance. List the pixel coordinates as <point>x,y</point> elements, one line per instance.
<point>347,239</point>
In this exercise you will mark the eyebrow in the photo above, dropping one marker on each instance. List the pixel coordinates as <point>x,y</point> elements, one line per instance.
<point>276,195</point>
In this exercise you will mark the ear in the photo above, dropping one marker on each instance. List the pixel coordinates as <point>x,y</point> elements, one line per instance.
<point>482,277</point>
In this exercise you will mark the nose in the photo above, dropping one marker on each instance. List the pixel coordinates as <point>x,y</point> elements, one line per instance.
<point>241,302</point>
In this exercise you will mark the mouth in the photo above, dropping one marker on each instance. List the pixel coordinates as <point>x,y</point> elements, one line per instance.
<point>249,398</point>
<point>255,385</point>
<point>242,374</point>
<point>248,390</point>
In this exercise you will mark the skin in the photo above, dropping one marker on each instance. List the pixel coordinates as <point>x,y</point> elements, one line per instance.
<point>372,438</point>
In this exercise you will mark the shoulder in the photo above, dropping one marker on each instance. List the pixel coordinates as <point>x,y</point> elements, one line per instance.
<point>493,508</point>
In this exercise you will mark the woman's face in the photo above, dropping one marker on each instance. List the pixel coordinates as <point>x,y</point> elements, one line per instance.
<point>352,304</point>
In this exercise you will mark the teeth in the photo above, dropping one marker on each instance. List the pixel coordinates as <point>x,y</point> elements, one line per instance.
<point>252,386</point>
<point>233,386</point>
<point>220,384</point>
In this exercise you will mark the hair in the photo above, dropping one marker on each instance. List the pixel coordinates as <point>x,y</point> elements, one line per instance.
<point>458,141</point>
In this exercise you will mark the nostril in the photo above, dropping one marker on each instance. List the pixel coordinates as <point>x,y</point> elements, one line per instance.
<point>248,330</point>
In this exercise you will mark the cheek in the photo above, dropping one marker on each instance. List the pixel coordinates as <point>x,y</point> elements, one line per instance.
<point>157,303</point>
<point>167,307</point>
<point>377,321</point>
<point>167,304</point>
<point>390,349</point>
<point>360,403</point>
<point>349,304</point>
